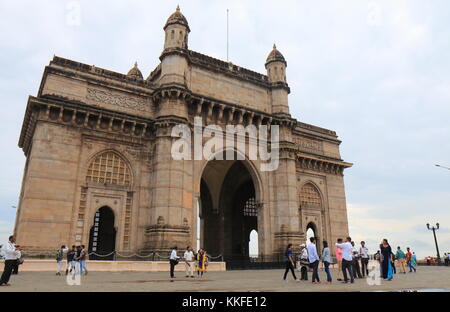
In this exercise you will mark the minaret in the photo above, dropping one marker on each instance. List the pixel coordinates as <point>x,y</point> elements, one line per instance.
<point>276,71</point>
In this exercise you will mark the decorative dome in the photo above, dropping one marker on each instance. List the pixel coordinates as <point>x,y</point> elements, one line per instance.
<point>135,72</point>
<point>177,18</point>
<point>275,56</point>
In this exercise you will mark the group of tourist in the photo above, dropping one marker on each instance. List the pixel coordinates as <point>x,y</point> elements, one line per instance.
<point>352,262</point>
<point>75,256</point>
<point>197,262</point>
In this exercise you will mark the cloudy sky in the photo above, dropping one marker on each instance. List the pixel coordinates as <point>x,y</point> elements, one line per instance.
<point>377,72</point>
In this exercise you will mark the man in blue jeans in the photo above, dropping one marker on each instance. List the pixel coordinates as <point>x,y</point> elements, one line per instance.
<point>81,258</point>
<point>314,260</point>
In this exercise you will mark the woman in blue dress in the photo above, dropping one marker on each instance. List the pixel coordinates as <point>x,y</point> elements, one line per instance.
<point>386,254</point>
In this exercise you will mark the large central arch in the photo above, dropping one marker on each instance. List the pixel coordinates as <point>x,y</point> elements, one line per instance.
<point>228,207</point>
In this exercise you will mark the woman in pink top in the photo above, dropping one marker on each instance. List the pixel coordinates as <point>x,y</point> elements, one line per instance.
<point>338,252</point>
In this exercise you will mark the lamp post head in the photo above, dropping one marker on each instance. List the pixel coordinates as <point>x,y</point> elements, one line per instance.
<point>428,225</point>
<point>437,226</point>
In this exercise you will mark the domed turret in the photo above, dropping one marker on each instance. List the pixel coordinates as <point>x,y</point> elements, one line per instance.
<point>177,18</point>
<point>135,72</point>
<point>276,66</point>
<point>275,56</point>
<point>276,71</point>
<point>177,30</point>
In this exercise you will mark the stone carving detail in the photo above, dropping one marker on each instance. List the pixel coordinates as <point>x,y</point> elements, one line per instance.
<point>115,99</point>
<point>309,145</point>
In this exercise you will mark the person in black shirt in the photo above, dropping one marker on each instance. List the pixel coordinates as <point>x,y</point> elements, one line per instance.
<point>70,259</point>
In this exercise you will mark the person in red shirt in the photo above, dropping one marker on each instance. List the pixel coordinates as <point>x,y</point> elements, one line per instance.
<point>409,260</point>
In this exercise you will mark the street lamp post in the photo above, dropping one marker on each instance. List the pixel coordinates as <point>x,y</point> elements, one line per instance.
<point>434,228</point>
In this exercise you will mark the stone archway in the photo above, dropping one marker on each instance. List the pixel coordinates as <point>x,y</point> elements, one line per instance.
<point>102,236</point>
<point>228,208</point>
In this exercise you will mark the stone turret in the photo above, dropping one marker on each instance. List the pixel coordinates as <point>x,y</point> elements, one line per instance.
<point>177,31</point>
<point>276,71</point>
<point>135,73</point>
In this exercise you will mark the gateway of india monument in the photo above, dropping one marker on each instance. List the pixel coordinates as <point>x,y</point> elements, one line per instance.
<point>99,169</point>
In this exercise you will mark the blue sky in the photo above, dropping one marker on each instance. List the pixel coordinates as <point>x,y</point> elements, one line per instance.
<point>377,72</point>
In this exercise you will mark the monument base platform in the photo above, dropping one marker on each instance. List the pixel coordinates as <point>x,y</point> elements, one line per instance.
<point>37,265</point>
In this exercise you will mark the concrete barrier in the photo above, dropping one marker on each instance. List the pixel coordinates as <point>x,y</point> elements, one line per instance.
<point>37,265</point>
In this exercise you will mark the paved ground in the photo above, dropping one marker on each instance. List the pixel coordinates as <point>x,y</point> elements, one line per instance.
<point>257,280</point>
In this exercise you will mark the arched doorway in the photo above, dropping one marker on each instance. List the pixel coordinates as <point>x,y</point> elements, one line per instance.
<point>311,231</point>
<point>102,237</point>
<point>228,209</point>
<point>253,245</point>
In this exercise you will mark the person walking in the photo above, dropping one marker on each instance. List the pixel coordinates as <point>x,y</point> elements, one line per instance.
<point>409,260</point>
<point>304,263</point>
<point>364,253</point>
<point>202,260</point>
<point>314,260</point>
<point>189,262</point>
<point>60,258</point>
<point>173,259</point>
<point>386,260</point>
<point>11,253</point>
<point>326,259</point>
<point>289,259</point>
<point>338,252</point>
<point>347,258</point>
<point>400,255</point>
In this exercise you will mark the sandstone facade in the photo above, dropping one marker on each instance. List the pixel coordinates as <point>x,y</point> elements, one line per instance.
<point>98,147</point>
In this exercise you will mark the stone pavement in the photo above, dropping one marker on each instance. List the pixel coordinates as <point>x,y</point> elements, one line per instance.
<point>255,280</point>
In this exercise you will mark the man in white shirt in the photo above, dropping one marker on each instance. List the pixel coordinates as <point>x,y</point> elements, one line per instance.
<point>189,262</point>
<point>364,253</point>
<point>304,262</point>
<point>356,257</point>
<point>11,253</point>
<point>314,260</point>
<point>173,261</point>
<point>347,258</point>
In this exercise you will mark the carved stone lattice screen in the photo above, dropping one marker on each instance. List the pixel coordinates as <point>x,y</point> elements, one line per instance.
<point>109,168</point>
<point>309,196</point>
<point>250,208</point>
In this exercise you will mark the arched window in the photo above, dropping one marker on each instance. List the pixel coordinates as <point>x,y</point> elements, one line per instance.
<point>172,34</point>
<point>310,196</point>
<point>253,249</point>
<point>250,209</point>
<point>109,168</point>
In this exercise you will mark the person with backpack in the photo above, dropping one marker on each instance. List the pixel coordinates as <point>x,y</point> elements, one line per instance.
<point>60,258</point>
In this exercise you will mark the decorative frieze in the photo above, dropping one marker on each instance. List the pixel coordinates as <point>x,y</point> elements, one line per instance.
<point>110,98</point>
